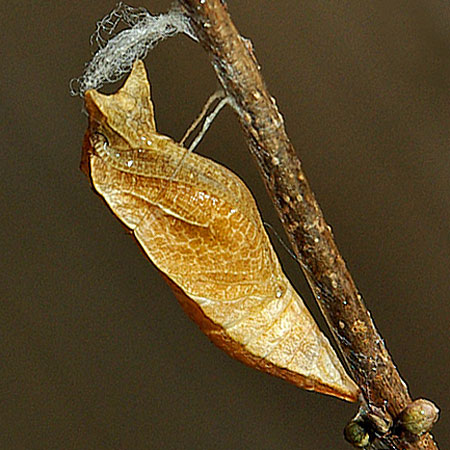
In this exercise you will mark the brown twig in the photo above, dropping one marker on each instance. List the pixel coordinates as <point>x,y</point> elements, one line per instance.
<point>384,393</point>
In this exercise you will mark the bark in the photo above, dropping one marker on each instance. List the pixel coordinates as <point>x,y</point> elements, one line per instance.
<point>384,393</point>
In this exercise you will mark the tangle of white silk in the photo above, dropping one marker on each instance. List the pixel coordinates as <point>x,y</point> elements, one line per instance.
<point>118,49</point>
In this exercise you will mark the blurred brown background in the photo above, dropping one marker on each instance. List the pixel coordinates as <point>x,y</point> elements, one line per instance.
<point>95,352</point>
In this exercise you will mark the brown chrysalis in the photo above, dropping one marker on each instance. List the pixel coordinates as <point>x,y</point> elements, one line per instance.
<point>199,225</point>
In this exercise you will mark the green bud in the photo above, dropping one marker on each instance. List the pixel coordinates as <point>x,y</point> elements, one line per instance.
<point>419,416</point>
<point>356,434</point>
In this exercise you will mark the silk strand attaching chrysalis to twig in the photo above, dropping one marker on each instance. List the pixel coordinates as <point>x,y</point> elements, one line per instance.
<point>117,49</point>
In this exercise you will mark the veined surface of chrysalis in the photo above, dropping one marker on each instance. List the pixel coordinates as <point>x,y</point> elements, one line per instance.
<point>199,225</point>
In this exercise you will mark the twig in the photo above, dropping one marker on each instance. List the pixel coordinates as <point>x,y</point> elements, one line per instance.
<point>384,393</point>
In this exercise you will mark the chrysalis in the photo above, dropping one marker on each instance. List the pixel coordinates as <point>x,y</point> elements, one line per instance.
<point>199,225</point>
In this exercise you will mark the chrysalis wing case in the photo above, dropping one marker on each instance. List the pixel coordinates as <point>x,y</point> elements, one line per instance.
<point>199,224</point>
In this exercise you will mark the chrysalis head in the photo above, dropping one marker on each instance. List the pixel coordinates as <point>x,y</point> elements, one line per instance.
<point>125,120</point>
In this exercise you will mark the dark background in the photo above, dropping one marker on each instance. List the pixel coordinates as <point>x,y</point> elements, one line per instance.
<point>95,351</point>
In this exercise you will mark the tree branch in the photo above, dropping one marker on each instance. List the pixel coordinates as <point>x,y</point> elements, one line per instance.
<point>385,394</point>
